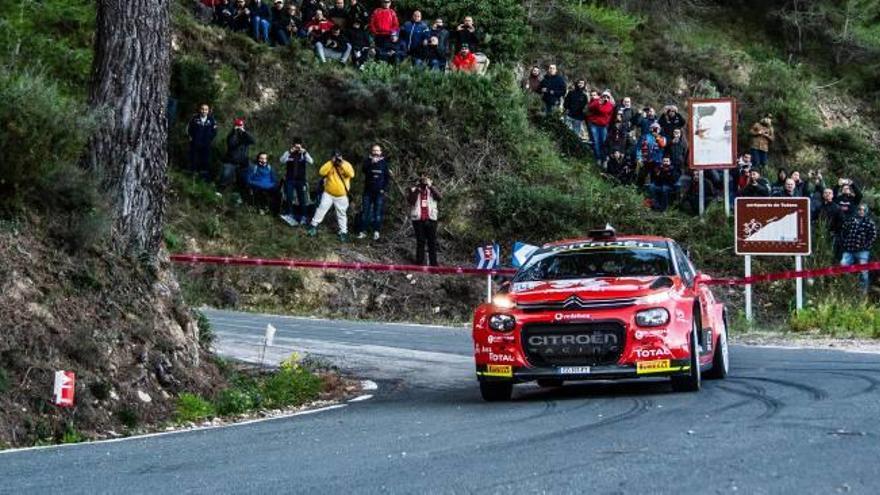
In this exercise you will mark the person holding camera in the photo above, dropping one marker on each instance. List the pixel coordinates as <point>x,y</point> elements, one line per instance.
<point>376,176</point>
<point>238,143</point>
<point>762,136</point>
<point>848,196</point>
<point>296,183</point>
<point>828,212</point>
<point>423,198</point>
<point>337,174</point>
<point>757,186</point>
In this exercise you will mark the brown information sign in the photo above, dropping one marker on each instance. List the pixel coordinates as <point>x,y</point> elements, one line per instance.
<point>773,226</point>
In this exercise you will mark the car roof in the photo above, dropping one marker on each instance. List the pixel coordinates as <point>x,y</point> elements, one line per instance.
<point>618,238</point>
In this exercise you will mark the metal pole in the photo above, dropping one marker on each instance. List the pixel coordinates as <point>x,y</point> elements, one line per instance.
<point>489,288</point>
<point>748,288</point>
<point>726,192</point>
<point>799,283</point>
<point>263,353</point>
<point>702,192</point>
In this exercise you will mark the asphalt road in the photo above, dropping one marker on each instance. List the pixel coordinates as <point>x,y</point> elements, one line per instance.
<point>786,421</point>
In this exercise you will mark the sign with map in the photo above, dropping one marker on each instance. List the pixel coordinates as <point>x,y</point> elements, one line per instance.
<point>712,133</point>
<point>773,226</point>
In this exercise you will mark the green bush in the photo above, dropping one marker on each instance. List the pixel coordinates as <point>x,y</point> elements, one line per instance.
<point>288,387</point>
<point>192,83</point>
<point>839,316</point>
<point>236,400</point>
<point>71,434</point>
<point>128,417</point>
<point>42,135</point>
<point>192,408</point>
<point>206,332</point>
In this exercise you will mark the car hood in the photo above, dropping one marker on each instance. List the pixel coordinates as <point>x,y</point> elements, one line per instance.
<point>588,288</point>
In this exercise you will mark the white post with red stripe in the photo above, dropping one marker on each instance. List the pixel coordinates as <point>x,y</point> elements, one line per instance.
<point>799,283</point>
<point>748,259</point>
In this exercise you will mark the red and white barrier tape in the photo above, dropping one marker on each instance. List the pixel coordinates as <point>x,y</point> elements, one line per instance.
<point>458,270</point>
<point>792,274</point>
<point>333,265</point>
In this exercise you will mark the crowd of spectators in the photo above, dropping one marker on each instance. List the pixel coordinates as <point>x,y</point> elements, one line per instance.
<point>350,31</point>
<point>638,147</point>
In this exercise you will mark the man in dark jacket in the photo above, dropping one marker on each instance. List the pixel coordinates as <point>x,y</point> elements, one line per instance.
<point>677,150</point>
<point>628,114</point>
<point>202,130</point>
<point>357,12</point>
<point>848,196</point>
<point>390,49</point>
<point>334,45</point>
<point>308,9</point>
<point>224,10</point>
<point>285,23</point>
<point>789,190</point>
<point>670,121</point>
<point>442,35</point>
<point>828,211</point>
<point>664,180</point>
<point>414,34</point>
<point>241,17</point>
<point>362,49</point>
<point>261,20</point>
<point>757,187</point>
<point>376,177</point>
<point>468,34</point>
<point>296,183</point>
<point>430,55</point>
<point>575,106</point>
<point>238,142</point>
<point>552,89</point>
<point>858,236</point>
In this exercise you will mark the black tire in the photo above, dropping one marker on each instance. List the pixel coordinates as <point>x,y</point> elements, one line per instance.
<point>496,391</point>
<point>693,380</point>
<point>549,382</point>
<point>721,357</point>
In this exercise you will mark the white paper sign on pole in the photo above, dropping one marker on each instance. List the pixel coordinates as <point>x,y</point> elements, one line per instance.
<point>270,334</point>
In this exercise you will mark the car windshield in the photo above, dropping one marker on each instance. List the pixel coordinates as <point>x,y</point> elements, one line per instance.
<point>643,260</point>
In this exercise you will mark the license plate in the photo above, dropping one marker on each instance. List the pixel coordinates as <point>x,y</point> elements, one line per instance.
<point>504,370</point>
<point>574,370</point>
<point>659,366</point>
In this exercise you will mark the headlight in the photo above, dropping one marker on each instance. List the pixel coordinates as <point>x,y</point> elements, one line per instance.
<point>502,323</point>
<point>652,317</point>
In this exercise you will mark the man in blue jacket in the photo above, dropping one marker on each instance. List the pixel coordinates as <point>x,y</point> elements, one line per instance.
<point>552,89</point>
<point>263,183</point>
<point>376,175</point>
<point>202,130</point>
<point>415,34</point>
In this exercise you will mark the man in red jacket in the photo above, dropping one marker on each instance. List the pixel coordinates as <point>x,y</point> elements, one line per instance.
<point>384,23</point>
<point>599,112</point>
<point>464,60</point>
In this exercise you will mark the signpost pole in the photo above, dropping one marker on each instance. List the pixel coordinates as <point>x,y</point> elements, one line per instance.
<point>748,288</point>
<point>799,283</point>
<point>702,192</point>
<point>489,288</point>
<point>727,193</point>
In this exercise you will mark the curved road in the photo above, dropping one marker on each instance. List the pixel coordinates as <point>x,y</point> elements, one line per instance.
<point>787,421</point>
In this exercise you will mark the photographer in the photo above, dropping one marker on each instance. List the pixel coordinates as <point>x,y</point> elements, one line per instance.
<point>757,186</point>
<point>337,174</point>
<point>423,198</point>
<point>848,196</point>
<point>762,136</point>
<point>467,34</point>
<point>828,211</point>
<point>376,175</point>
<point>238,142</point>
<point>296,182</point>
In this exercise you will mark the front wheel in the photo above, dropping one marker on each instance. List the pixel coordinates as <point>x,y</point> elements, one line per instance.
<point>496,391</point>
<point>721,358</point>
<point>692,381</point>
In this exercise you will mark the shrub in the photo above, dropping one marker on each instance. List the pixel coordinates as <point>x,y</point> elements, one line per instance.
<point>236,400</point>
<point>128,417</point>
<point>288,387</point>
<point>192,83</point>
<point>206,333</point>
<point>191,408</point>
<point>839,316</point>
<point>71,434</point>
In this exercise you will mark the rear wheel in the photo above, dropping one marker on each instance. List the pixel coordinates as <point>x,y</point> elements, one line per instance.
<point>496,391</point>
<point>721,359</point>
<point>692,381</point>
<point>549,382</point>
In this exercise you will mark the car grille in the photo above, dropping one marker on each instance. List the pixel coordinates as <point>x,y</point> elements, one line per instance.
<point>582,344</point>
<point>575,303</point>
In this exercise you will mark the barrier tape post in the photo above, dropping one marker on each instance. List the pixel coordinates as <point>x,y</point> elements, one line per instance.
<point>748,273</point>
<point>489,288</point>
<point>727,193</point>
<point>702,193</point>
<point>799,283</point>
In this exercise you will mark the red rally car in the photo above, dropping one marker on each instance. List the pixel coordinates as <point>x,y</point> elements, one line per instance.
<point>605,307</point>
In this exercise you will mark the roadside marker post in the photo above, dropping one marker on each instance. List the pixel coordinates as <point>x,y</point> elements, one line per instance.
<point>727,193</point>
<point>488,257</point>
<point>268,339</point>
<point>702,193</point>
<point>64,388</point>
<point>799,283</point>
<point>748,273</point>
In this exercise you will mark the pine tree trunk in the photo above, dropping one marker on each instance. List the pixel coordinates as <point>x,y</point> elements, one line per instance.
<point>130,77</point>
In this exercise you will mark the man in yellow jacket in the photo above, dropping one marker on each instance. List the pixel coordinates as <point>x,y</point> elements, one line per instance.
<point>337,174</point>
